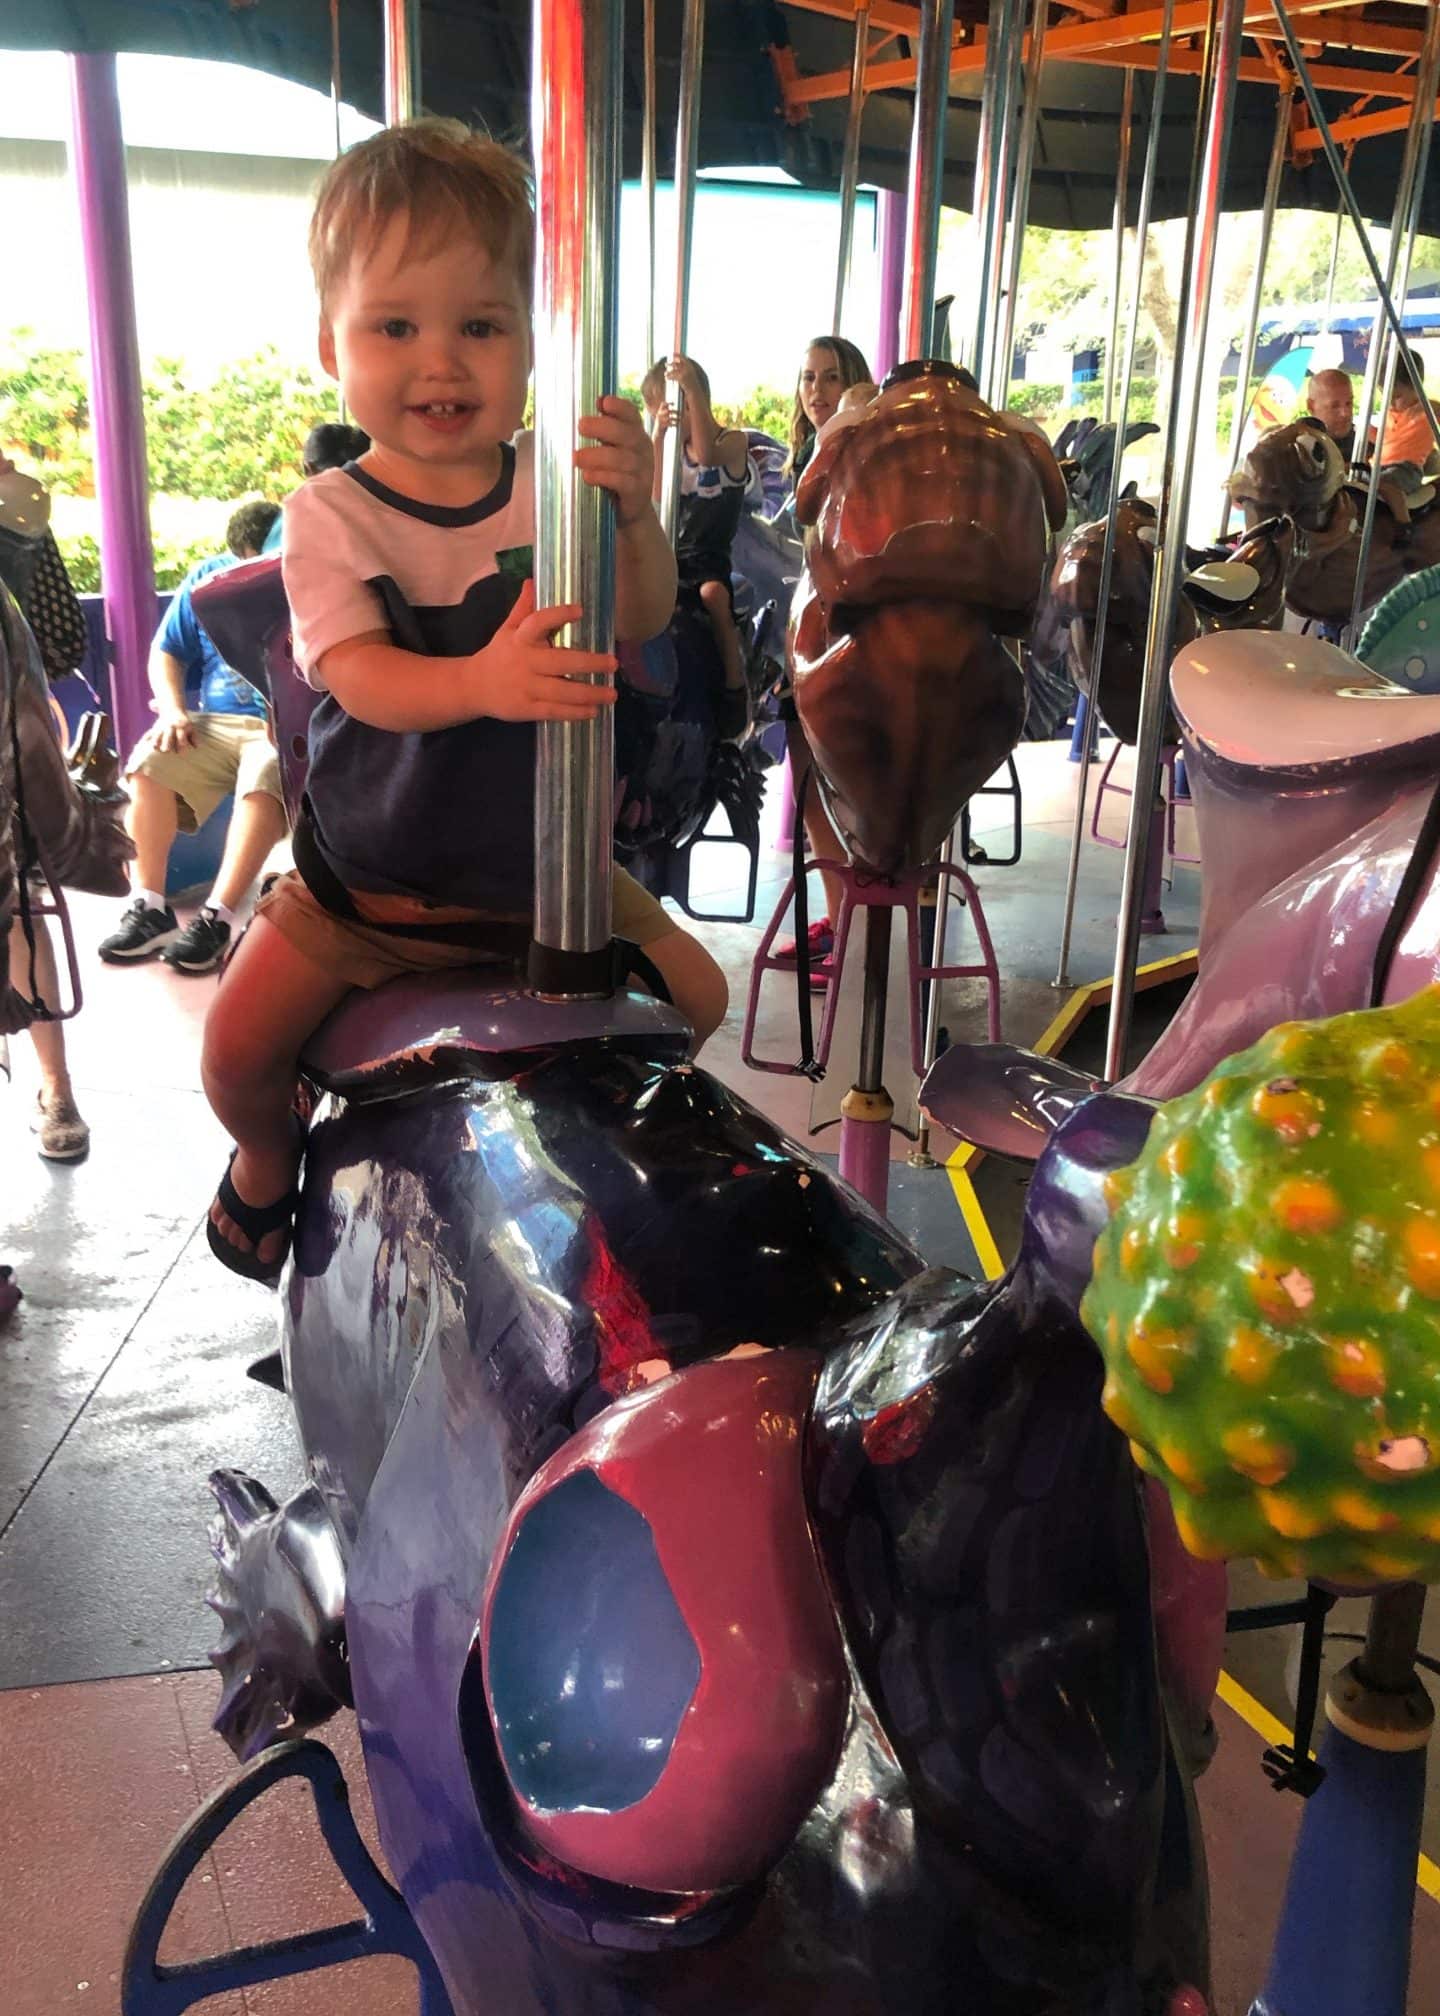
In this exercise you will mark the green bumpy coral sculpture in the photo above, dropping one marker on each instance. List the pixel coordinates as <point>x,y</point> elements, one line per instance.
<point>1267,1297</point>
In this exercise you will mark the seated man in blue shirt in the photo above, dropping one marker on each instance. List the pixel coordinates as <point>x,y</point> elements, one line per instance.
<point>211,739</point>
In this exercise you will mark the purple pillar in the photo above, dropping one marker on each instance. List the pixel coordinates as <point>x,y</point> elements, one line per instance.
<point>127,566</point>
<point>892,280</point>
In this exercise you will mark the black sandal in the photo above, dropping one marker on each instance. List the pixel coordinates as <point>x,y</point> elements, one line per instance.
<point>256,1221</point>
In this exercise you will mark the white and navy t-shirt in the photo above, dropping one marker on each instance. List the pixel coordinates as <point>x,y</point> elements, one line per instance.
<point>446,815</point>
<point>709,509</point>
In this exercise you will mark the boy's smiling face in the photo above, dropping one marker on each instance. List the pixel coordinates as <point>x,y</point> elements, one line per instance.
<point>431,346</point>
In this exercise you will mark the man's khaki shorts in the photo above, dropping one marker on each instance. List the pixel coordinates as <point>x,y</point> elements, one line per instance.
<point>363,955</point>
<point>232,752</point>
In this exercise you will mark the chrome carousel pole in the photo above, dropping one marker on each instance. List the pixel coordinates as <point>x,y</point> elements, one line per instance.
<point>1220,76</point>
<point>575,120</point>
<point>1020,202</point>
<point>1107,558</point>
<point>991,174</point>
<point>647,176</point>
<point>1251,339</point>
<point>1122,188</point>
<point>401,26</point>
<point>867,1110</point>
<point>995,174</point>
<point>850,164</point>
<point>1427,81</point>
<point>1334,269</point>
<point>1417,136</point>
<point>687,154</point>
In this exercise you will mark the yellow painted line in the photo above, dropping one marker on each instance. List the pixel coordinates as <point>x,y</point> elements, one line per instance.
<point>1051,1041</point>
<point>1266,1726</point>
<point>976,1223</point>
<point>1250,1710</point>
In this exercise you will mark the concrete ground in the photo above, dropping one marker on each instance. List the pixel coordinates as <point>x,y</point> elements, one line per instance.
<point>121,1386</point>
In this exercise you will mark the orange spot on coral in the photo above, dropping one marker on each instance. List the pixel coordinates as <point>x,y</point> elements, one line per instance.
<point>1289,1518</point>
<point>1256,1453</point>
<point>1249,1355</point>
<point>1306,1204</point>
<point>1157,1352</point>
<point>1354,1365</point>
<point>1422,1255</point>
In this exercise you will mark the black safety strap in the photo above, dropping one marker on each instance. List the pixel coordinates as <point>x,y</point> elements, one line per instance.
<point>27,857</point>
<point>1417,868</point>
<point>804,1001</point>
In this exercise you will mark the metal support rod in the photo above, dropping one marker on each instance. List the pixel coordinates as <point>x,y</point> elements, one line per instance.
<point>1396,349</point>
<point>982,195</point>
<point>401,26</point>
<point>850,163</point>
<point>335,70</point>
<point>1393,351</point>
<point>870,1077</point>
<point>647,176</point>
<point>997,167</point>
<point>1419,129</point>
<point>1392,1638</point>
<point>1107,558</point>
<point>1020,202</point>
<point>1334,269</point>
<point>1122,190</point>
<point>575,98</point>
<point>127,568</point>
<point>687,146</point>
<point>927,173</point>
<point>1220,75</point>
<point>890,223</point>
<point>1250,341</point>
<point>989,176</point>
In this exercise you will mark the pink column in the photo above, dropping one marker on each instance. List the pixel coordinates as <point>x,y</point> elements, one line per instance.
<point>127,567</point>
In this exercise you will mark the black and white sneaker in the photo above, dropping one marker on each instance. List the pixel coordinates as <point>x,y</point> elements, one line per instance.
<point>143,932</point>
<point>201,945</point>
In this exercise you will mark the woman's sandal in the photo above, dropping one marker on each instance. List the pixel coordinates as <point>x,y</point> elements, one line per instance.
<point>256,1221</point>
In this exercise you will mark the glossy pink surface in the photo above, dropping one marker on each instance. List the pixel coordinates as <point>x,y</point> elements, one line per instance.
<point>1310,778</point>
<point>1262,699</point>
<point>711,1456</point>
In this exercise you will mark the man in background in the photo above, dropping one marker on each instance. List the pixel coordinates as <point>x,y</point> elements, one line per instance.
<point>210,740</point>
<point>1332,402</point>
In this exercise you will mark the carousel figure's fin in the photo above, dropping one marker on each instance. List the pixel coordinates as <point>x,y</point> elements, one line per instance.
<point>280,1596</point>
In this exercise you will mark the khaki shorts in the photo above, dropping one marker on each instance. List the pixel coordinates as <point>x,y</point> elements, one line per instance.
<point>232,752</point>
<point>364,956</point>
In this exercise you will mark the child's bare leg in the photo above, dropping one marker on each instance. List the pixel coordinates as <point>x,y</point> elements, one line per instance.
<point>269,1001</point>
<point>716,599</point>
<point>696,983</point>
<point>825,842</point>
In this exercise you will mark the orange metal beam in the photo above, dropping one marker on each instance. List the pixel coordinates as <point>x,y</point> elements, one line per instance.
<point>1257,70</point>
<point>1368,126</point>
<point>1111,38</point>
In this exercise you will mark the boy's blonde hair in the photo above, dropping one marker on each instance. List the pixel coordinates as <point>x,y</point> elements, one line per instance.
<point>439,174</point>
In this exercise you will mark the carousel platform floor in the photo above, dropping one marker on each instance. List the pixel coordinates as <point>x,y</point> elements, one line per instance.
<point>121,1386</point>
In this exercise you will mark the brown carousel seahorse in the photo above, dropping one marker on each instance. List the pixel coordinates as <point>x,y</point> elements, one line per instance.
<point>1297,470</point>
<point>929,517</point>
<point>1238,585</point>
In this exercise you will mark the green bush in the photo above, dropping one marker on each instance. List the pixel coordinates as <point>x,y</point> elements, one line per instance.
<point>236,434</point>
<point>173,559</point>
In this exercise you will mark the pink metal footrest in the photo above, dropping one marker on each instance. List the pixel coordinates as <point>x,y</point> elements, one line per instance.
<point>1175,800</point>
<point>862,892</point>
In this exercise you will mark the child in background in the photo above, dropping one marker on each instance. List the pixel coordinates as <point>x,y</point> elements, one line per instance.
<point>414,615</point>
<point>715,477</point>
